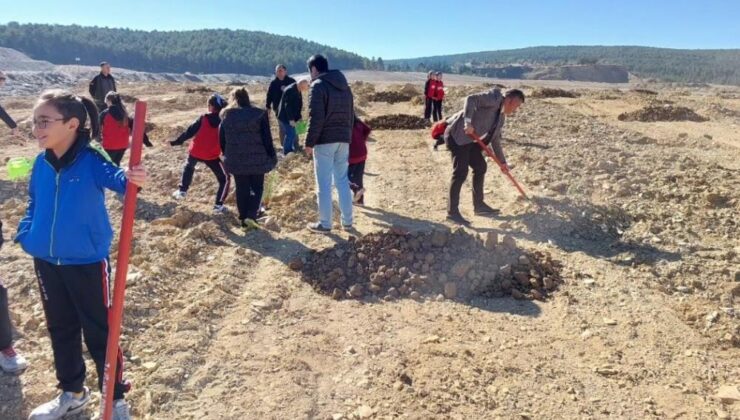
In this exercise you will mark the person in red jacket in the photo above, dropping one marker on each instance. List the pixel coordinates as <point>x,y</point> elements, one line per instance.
<point>205,148</point>
<point>438,97</point>
<point>357,158</point>
<point>429,93</point>
<point>116,127</point>
<point>427,98</point>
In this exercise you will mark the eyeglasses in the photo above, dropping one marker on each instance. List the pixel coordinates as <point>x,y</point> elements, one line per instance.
<point>42,124</point>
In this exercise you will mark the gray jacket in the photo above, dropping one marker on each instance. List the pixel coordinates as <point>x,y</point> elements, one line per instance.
<point>483,111</point>
<point>330,110</point>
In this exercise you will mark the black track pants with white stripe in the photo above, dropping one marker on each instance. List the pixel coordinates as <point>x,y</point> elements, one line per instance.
<point>219,170</point>
<point>76,300</point>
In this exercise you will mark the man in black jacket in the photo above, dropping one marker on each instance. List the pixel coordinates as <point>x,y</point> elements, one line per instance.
<point>101,85</point>
<point>289,113</point>
<point>275,92</point>
<point>330,121</point>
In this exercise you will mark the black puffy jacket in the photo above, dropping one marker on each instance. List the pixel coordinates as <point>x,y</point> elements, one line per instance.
<point>291,104</point>
<point>330,110</point>
<point>246,141</point>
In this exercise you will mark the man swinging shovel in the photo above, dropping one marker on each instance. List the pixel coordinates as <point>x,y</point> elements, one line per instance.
<point>479,124</point>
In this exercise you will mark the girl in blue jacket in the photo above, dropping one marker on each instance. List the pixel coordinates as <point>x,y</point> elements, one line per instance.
<point>67,231</point>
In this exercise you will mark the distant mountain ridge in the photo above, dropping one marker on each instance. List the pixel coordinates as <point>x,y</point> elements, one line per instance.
<point>221,51</point>
<point>672,65</point>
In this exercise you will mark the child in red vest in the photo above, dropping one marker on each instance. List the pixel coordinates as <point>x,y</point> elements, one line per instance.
<point>430,90</point>
<point>116,127</point>
<point>427,96</point>
<point>357,158</point>
<point>205,148</point>
<point>438,97</point>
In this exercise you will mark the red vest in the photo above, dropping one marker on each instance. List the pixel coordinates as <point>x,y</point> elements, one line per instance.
<point>115,135</point>
<point>432,89</point>
<point>439,93</point>
<point>358,146</point>
<point>205,145</point>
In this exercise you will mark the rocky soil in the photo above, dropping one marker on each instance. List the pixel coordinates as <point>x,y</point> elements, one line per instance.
<point>612,293</point>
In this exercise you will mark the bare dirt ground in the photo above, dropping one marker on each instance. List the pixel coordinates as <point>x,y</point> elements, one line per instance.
<point>643,218</point>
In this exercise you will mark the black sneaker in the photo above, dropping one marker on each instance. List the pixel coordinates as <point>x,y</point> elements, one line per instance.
<point>318,228</point>
<point>458,219</point>
<point>486,210</point>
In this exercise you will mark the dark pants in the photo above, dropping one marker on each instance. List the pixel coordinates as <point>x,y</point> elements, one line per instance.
<point>102,106</point>
<point>463,157</point>
<point>6,329</point>
<point>355,173</point>
<point>76,299</point>
<point>427,108</point>
<point>437,110</point>
<point>249,195</point>
<point>116,155</point>
<point>219,170</point>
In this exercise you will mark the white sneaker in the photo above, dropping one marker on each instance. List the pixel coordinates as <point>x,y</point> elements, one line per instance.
<point>219,209</point>
<point>121,410</point>
<point>12,362</point>
<point>60,407</point>
<point>358,195</point>
<point>179,195</point>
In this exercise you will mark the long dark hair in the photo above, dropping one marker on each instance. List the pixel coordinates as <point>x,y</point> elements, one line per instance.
<point>240,98</point>
<point>117,109</point>
<point>73,106</point>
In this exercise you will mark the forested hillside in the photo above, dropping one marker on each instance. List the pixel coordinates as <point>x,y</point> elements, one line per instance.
<point>201,51</point>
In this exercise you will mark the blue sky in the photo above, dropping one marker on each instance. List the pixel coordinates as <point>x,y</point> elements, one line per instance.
<point>405,29</point>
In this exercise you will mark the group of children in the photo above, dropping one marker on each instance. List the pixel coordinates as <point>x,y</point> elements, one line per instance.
<point>66,228</point>
<point>434,94</point>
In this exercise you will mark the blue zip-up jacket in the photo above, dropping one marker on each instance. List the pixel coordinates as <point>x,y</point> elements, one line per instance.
<point>66,222</point>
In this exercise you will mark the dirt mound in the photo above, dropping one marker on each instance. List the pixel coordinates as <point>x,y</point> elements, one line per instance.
<point>391,96</point>
<point>289,193</point>
<point>410,89</point>
<point>645,92</point>
<point>606,95</point>
<point>721,111</point>
<point>553,93</point>
<point>397,264</point>
<point>198,89</point>
<point>398,122</point>
<point>653,113</point>
<point>362,89</point>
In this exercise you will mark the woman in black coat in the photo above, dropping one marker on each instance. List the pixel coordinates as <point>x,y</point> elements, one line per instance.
<point>248,151</point>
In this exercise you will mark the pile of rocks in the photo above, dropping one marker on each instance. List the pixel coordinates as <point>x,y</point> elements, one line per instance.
<point>653,113</point>
<point>439,264</point>
<point>398,122</point>
<point>391,96</point>
<point>553,93</point>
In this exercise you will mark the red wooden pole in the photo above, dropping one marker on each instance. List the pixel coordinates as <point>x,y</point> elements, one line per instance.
<point>501,166</point>
<point>115,313</point>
